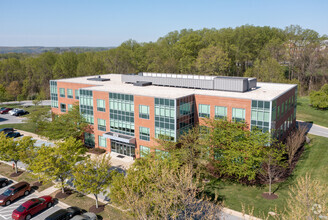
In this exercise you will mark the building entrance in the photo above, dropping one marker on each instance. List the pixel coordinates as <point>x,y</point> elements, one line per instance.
<point>123,148</point>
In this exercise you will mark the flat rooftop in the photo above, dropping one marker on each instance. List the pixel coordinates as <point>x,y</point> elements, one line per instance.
<point>263,91</point>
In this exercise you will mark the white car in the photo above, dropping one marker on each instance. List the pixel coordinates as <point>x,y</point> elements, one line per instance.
<point>85,216</point>
<point>12,112</point>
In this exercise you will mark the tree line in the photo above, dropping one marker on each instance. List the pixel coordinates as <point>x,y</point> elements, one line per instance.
<point>290,55</point>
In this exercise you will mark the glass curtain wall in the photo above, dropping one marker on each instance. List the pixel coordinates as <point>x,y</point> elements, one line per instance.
<point>165,119</point>
<point>86,105</point>
<point>121,113</point>
<point>53,94</point>
<point>123,148</point>
<point>260,116</point>
<point>185,114</point>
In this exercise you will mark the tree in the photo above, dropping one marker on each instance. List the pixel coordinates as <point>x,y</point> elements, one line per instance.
<point>93,176</point>
<point>57,163</point>
<point>268,70</point>
<point>237,152</point>
<point>3,93</point>
<point>13,89</point>
<point>71,124</point>
<point>156,188</point>
<point>38,117</point>
<point>319,99</point>
<point>212,61</point>
<point>274,163</point>
<point>294,142</point>
<point>308,199</point>
<point>15,150</point>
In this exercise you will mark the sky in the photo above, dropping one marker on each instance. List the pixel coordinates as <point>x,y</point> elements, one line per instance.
<point>105,23</point>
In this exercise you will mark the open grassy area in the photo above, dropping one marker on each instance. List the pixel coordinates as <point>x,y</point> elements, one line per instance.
<point>6,170</point>
<point>313,161</point>
<point>84,202</point>
<point>21,126</point>
<point>307,113</point>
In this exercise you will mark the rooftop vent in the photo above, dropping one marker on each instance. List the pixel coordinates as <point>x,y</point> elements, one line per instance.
<point>142,83</point>
<point>98,78</point>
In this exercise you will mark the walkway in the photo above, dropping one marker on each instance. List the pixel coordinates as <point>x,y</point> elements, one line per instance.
<point>26,103</point>
<point>314,129</point>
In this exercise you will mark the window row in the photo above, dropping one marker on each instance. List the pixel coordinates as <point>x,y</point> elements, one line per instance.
<point>69,93</point>
<point>204,111</point>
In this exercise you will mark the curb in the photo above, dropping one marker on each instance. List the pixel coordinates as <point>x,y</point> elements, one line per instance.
<point>239,214</point>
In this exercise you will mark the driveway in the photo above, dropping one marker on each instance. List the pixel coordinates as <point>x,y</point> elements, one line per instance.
<point>6,211</point>
<point>314,129</point>
<point>27,103</point>
<point>10,119</point>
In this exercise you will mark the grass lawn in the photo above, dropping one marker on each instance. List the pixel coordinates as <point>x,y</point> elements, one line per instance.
<point>235,196</point>
<point>84,202</point>
<point>21,126</point>
<point>6,170</point>
<point>307,113</point>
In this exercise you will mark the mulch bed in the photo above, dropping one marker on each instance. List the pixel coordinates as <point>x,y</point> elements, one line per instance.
<point>97,210</point>
<point>37,184</point>
<point>16,174</point>
<point>64,195</point>
<point>269,197</point>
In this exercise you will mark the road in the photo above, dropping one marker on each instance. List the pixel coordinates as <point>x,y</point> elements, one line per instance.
<point>10,119</point>
<point>27,103</point>
<point>6,211</point>
<point>314,129</point>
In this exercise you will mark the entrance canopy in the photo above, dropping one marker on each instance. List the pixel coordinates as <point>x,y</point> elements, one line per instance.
<point>120,137</point>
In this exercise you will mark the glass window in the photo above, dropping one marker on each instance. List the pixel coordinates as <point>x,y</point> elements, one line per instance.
<point>62,92</point>
<point>102,141</point>
<point>144,151</point>
<point>220,112</point>
<point>69,93</point>
<point>69,107</point>
<point>144,133</point>
<point>144,111</point>
<point>77,94</point>
<point>101,124</point>
<point>62,107</point>
<point>204,111</point>
<point>238,114</point>
<point>101,105</point>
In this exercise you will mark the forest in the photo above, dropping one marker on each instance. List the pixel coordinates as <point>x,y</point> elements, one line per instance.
<point>289,55</point>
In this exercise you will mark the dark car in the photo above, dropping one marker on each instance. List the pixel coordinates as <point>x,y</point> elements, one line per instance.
<point>20,112</point>
<point>31,207</point>
<point>14,192</point>
<point>4,182</point>
<point>13,134</point>
<point>6,130</point>
<point>5,110</point>
<point>86,216</point>
<point>64,214</point>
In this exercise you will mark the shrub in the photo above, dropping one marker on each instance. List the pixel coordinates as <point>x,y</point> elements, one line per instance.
<point>319,99</point>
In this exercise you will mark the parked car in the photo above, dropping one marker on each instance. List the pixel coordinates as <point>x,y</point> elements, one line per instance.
<point>64,214</point>
<point>31,207</point>
<point>86,216</point>
<point>6,130</point>
<point>5,110</point>
<point>14,192</point>
<point>11,112</point>
<point>2,108</point>
<point>13,134</point>
<point>4,182</point>
<point>20,112</point>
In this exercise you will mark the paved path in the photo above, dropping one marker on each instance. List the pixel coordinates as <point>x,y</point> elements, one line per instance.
<point>314,129</point>
<point>10,119</point>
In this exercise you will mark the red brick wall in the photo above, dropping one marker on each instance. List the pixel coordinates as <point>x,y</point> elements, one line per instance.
<point>66,100</point>
<point>148,123</point>
<point>223,101</point>
<point>101,115</point>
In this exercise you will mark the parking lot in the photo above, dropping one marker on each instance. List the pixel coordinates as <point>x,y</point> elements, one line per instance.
<point>10,119</point>
<point>6,211</point>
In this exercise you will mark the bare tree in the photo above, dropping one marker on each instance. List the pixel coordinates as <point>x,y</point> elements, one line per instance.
<point>294,142</point>
<point>308,199</point>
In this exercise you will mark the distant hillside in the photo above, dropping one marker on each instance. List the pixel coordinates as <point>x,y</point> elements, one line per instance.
<point>38,50</point>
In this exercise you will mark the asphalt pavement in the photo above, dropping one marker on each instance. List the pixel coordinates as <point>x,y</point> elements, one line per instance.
<point>6,211</point>
<point>10,119</point>
<point>314,129</point>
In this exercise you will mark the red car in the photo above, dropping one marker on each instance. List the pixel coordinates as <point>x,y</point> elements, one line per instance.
<point>4,111</point>
<point>32,207</point>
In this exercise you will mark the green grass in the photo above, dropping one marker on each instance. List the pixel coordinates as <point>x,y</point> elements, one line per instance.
<point>307,113</point>
<point>22,126</point>
<point>235,196</point>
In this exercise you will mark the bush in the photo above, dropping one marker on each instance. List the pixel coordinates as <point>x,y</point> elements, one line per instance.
<point>319,99</point>
<point>97,150</point>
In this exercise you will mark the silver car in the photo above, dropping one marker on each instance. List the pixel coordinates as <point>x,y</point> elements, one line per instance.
<point>85,216</point>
